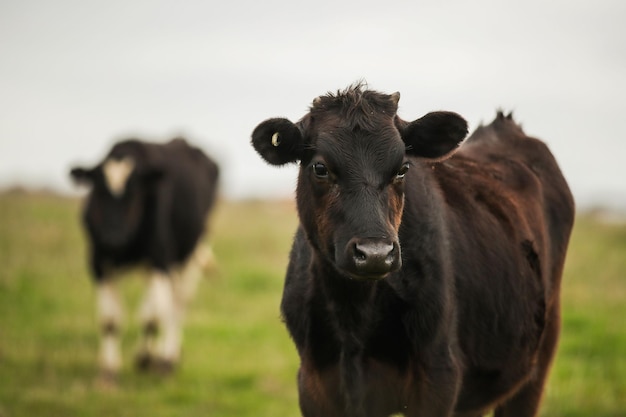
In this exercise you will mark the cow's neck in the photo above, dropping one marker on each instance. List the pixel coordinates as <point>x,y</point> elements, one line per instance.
<point>350,302</point>
<point>352,307</point>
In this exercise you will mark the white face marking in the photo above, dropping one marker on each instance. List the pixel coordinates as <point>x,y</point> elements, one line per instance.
<point>116,173</point>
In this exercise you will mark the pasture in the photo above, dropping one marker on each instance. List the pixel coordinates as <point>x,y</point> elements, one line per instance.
<point>237,357</point>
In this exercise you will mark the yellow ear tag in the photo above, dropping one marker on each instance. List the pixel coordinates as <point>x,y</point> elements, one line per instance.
<point>275,138</point>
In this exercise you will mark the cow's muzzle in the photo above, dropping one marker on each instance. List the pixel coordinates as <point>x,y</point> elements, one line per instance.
<point>371,258</point>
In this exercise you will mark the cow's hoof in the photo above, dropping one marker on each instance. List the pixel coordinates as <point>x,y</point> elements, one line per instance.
<point>144,362</point>
<point>107,380</point>
<point>163,366</point>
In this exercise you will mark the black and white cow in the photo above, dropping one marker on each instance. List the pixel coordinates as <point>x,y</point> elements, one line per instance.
<point>148,205</point>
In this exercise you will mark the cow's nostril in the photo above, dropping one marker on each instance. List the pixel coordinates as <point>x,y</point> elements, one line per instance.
<point>373,250</point>
<point>373,257</point>
<point>359,255</point>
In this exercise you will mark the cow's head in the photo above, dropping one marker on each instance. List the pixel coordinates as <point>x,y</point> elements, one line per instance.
<point>354,157</point>
<point>120,186</point>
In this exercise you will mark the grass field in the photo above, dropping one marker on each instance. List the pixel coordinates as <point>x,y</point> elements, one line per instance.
<point>237,358</point>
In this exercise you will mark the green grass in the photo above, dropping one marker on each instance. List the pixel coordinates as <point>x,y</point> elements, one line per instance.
<point>589,375</point>
<point>238,359</point>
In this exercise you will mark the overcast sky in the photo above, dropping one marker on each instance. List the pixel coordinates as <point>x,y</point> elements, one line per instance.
<point>76,75</point>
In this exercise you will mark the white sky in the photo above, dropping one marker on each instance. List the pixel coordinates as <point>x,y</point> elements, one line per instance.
<point>76,75</point>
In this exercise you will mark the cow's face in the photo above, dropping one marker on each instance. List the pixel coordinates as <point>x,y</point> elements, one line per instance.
<point>354,158</point>
<point>350,197</point>
<point>116,203</point>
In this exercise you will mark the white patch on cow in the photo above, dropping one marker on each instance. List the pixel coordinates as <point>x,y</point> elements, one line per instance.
<point>165,302</point>
<point>110,355</point>
<point>116,174</point>
<point>108,303</point>
<point>189,275</point>
<point>158,298</point>
<point>160,307</point>
<point>110,314</point>
<point>204,257</point>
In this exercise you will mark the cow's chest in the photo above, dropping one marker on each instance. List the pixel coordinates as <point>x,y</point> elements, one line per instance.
<point>371,327</point>
<point>364,367</point>
<point>363,385</point>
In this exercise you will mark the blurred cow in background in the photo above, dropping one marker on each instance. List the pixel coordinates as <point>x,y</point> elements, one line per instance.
<point>148,205</point>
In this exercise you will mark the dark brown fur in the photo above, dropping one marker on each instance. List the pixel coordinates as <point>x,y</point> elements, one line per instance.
<point>430,293</point>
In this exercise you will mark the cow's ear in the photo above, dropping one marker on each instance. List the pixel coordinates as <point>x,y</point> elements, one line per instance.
<point>82,175</point>
<point>278,141</point>
<point>434,136</point>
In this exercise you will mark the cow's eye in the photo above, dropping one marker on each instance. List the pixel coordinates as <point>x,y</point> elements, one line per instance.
<point>402,172</point>
<point>320,170</point>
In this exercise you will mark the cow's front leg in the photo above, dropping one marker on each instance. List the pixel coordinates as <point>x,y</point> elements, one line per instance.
<point>109,313</point>
<point>160,317</point>
<point>438,387</point>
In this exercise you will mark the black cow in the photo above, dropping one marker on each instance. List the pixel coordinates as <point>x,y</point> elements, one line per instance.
<point>148,205</point>
<point>420,284</point>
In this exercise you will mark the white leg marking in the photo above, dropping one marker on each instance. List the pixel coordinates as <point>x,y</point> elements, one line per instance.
<point>148,321</point>
<point>109,310</point>
<point>160,307</point>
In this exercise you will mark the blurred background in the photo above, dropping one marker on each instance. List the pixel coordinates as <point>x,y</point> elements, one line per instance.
<point>75,76</point>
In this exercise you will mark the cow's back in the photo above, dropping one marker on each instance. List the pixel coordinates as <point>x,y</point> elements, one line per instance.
<point>510,214</point>
<point>186,194</point>
<point>526,173</point>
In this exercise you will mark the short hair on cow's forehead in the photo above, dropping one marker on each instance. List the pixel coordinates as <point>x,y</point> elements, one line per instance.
<point>143,153</point>
<point>356,106</point>
<point>127,147</point>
